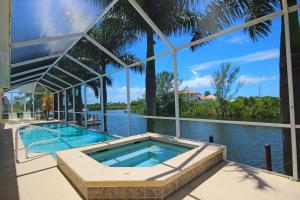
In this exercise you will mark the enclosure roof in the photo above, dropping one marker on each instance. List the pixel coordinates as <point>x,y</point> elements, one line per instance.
<point>42,31</point>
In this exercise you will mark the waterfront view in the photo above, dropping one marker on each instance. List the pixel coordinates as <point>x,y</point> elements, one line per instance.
<point>245,144</point>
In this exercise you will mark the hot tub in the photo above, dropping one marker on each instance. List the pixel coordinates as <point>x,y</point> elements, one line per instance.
<point>145,153</point>
<point>137,167</point>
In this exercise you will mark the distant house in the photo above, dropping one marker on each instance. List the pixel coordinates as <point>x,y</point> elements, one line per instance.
<point>191,95</point>
<point>207,98</point>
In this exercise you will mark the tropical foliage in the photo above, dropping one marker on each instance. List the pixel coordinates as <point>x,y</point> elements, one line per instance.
<point>223,81</point>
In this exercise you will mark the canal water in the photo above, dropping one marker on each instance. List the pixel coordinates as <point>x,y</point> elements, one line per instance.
<point>245,144</point>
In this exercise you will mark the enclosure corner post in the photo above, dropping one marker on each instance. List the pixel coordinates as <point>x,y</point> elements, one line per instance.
<point>73,101</point>
<point>128,99</point>
<point>176,94</point>
<point>1,93</point>
<point>102,104</point>
<point>65,100</point>
<point>85,111</point>
<point>290,88</point>
<point>58,106</point>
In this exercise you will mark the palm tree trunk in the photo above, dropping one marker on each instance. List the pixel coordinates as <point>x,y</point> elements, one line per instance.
<point>284,95</point>
<point>55,96</point>
<point>104,99</point>
<point>79,105</point>
<point>150,81</point>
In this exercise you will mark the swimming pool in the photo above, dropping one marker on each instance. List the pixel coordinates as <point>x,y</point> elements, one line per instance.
<point>145,153</point>
<point>71,137</point>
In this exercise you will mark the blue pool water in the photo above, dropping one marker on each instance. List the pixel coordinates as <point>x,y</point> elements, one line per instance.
<point>139,154</point>
<point>71,137</point>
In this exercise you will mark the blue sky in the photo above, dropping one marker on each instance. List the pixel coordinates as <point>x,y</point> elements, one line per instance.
<point>258,62</point>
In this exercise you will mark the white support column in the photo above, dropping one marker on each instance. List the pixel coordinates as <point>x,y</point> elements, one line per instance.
<point>85,111</point>
<point>128,99</point>
<point>11,103</point>
<point>176,95</point>
<point>66,105</point>
<point>290,89</point>
<point>102,104</point>
<point>1,107</point>
<point>73,98</point>
<point>25,108</point>
<point>58,105</point>
<point>33,105</point>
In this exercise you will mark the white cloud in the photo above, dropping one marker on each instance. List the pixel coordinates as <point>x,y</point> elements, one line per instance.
<point>196,82</point>
<point>69,17</point>
<point>239,40</point>
<point>119,94</point>
<point>249,58</point>
<point>246,79</point>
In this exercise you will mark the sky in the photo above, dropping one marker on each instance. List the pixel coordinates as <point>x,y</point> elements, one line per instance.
<point>258,61</point>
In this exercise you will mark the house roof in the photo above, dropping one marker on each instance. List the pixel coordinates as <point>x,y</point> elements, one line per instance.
<point>187,92</point>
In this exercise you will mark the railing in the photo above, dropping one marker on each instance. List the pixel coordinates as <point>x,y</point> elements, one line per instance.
<point>34,143</point>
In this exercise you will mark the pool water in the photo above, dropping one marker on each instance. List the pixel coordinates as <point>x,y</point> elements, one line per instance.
<point>145,153</point>
<point>71,137</point>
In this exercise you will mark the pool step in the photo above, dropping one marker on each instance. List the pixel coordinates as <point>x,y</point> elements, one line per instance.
<point>131,159</point>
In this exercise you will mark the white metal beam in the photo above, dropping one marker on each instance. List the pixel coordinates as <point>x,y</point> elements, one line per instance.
<point>26,62</point>
<point>83,65</point>
<point>66,105</point>
<point>58,105</point>
<point>59,79</point>
<point>45,40</point>
<point>94,42</point>
<point>68,73</point>
<point>47,87</point>
<point>51,83</point>
<point>128,99</point>
<point>290,88</point>
<point>213,36</point>
<point>85,106</point>
<point>102,104</point>
<point>73,101</point>
<point>176,95</point>
<point>105,11</point>
<point>29,71</point>
<point>25,78</point>
<point>151,23</point>
<point>20,84</point>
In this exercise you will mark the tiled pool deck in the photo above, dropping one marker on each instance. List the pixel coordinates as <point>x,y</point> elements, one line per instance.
<point>39,178</point>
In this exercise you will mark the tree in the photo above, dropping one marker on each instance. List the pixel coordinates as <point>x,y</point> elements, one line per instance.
<point>165,93</point>
<point>224,13</point>
<point>223,81</point>
<point>207,93</point>
<point>98,60</point>
<point>47,104</point>
<point>173,17</point>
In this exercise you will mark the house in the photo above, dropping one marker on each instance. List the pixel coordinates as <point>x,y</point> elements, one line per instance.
<point>191,95</point>
<point>207,98</point>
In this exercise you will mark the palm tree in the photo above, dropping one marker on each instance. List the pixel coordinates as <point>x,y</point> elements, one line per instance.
<point>92,56</point>
<point>223,13</point>
<point>47,104</point>
<point>173,17</point>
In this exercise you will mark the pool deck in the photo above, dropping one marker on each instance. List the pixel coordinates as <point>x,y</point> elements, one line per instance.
<point>39,178</point>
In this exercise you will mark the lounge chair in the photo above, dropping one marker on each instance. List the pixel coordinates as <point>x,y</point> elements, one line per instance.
<point>27,116</point>
<point>12,117</point>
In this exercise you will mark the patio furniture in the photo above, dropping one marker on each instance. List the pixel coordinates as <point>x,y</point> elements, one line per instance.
<point>27,116</point>
<point>13,118</point>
